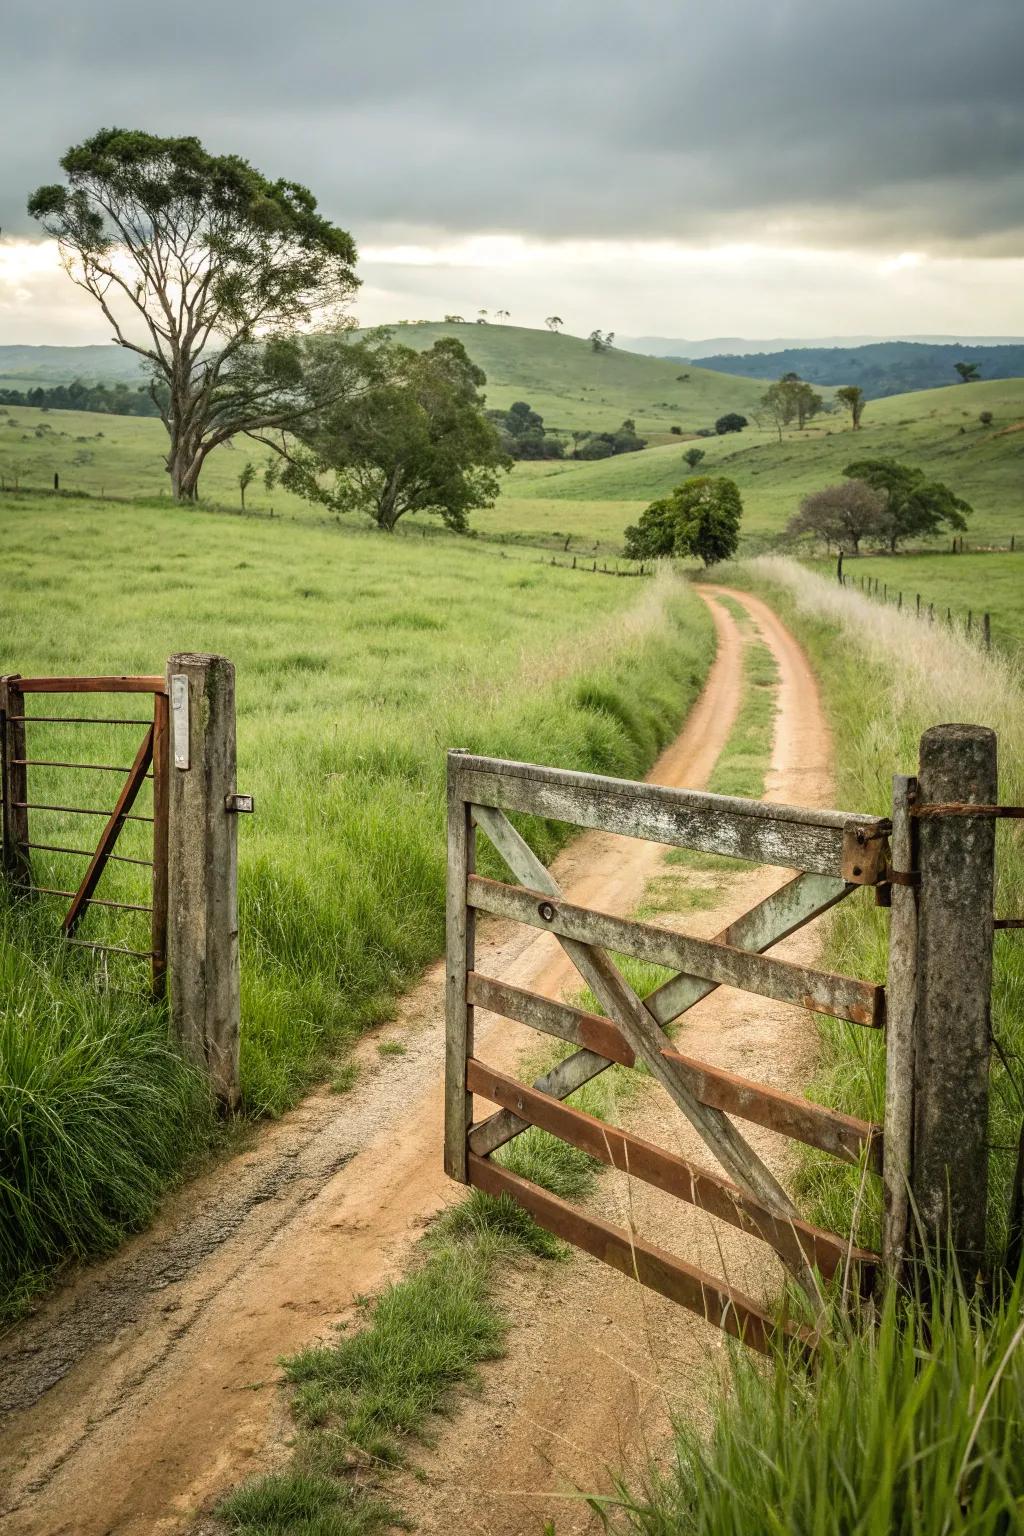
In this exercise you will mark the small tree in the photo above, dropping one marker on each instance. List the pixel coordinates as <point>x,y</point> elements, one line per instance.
<point>481,317</point>
<point>502,315</point>
<point>554,323</point>
<point>852,397</point>
<point>968,372</point>
<point>246,476</point>
<point>701,517</point>
<point>454,320</point>
<point>414,439</point>
<point>985,417</point>
<point>915,507</point>
<point>204,268</point>
<point>779,404</point>
<point>732,421</point>
<point>841,514</point>
<point>599,343</point>
<point>693,457</point>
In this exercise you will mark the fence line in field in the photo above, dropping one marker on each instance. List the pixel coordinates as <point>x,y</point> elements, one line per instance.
<point>979,625</point>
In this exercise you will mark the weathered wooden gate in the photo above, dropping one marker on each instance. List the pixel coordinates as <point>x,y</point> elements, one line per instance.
<point>834,855</point>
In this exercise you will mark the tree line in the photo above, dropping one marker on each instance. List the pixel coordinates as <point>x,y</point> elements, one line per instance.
<point>107,399</point>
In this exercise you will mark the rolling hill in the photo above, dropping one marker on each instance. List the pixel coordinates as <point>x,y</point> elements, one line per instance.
<point>25,367</point>
<point>592,503</point>
<point>575,388</point>
<point>936,429</point>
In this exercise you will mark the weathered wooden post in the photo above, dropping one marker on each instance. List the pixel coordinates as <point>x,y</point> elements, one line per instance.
<point>202,868</point>
<point>17,865</point>
<point>460,924</point>
<point>951,1025</point>
<point>900,1013</point>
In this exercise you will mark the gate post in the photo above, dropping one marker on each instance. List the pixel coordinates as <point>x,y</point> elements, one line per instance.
<point>202,868</point>
<point>17,866</point>
<point>460,925</point>
<point>951,1026</point>
<point>900,1011</point>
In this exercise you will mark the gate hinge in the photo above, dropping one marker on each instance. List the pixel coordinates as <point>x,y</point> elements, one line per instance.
<point>865,853</point>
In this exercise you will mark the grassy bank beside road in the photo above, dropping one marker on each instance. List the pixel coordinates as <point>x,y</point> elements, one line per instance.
<point>359,660</point>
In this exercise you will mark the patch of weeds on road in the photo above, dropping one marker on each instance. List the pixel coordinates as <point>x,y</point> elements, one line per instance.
<point>345,1078</point>
<point>313,1504</point>
<point>742,766</point>
<point>391,1048</point>
<point>674,894</point>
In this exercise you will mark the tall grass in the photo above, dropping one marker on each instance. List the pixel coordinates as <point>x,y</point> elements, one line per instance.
<point>910,1427</point>
<point>97,1111</point>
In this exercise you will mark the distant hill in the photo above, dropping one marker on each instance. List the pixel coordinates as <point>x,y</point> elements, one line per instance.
<point>62,365</point>
<point>881,368</point>
<point>575,388</point>
<point>572,386</point>
<point>680,349</point>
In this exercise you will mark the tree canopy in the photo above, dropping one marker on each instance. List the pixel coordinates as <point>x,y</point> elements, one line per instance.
<point>841,514</point>
<point>206,269</point>
<point>791,399</point>
<point>732,421</point>
<point>915,507</point>
<point>523,435</point>
<point>852,396</point>
<point>701,517</point>
<point>413,438</point>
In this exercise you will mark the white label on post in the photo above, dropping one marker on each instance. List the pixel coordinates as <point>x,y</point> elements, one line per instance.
<point>179,718</point>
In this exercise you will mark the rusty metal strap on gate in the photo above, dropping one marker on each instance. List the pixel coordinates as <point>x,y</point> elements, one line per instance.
<point>902,877</point>
<point>959,808</point>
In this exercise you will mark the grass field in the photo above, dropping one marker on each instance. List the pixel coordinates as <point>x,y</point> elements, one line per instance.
<point>594,502</point>
<point>360,659</point>
<point>970,583</point>
<point>590,504</point>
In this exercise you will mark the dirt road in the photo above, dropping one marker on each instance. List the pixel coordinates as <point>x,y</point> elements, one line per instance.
<point>147,1387</point>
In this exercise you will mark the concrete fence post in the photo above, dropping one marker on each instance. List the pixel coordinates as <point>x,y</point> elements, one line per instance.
<point>951,1022</point>
<point>202,868</point>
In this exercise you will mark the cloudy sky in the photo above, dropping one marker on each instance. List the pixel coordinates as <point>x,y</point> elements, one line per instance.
<point>674,167</point>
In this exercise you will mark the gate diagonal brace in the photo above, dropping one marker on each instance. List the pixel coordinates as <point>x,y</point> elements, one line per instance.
<point>648,1040</point>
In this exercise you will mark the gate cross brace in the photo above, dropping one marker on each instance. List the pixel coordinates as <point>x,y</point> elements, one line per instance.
<point>111,832</point>
<point>643,1032</point>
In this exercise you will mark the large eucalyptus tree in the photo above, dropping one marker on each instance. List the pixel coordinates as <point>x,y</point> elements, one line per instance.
<point>210,272</point>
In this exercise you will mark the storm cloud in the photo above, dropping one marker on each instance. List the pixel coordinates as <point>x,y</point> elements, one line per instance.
<point>893,125</point>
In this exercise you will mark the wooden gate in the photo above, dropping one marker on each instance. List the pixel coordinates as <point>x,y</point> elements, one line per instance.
<point>25,815</point>
<point>835,855</point>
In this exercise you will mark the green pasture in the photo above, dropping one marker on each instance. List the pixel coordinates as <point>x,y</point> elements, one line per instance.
<point>594,502</point>
<point>588,504</point>
<point>963,584</point>
<point>359,659</point>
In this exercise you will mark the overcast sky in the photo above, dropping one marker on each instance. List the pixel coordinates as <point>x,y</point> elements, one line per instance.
<point>673,167</point>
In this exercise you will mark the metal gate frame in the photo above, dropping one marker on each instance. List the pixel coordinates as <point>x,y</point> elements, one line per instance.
<point>150,761</point>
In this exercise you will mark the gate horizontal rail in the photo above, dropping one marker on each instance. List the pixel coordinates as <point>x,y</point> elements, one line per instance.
<point>833,855</point>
